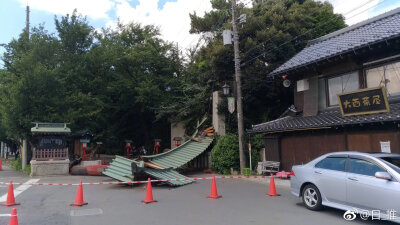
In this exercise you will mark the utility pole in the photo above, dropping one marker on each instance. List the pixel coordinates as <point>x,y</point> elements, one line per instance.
<point>238,87</point>
<point>24,153</point>
<point>27,20</point>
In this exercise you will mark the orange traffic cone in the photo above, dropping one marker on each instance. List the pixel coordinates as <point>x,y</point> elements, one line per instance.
<point>214,191</point>
<point>272,189</point>
<point>79,196</point>
<point>149,193</point>
<point>13,218</point>
<point>10,196</point>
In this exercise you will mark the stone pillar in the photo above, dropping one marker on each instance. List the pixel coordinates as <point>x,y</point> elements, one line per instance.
<point>6,150</point>
<point>218,119</point>
<point>24,154</point>
<point>2,150</point>
<point>177,130</point>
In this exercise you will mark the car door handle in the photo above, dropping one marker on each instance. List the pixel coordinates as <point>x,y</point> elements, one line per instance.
<point>352,178</point>
<point>318,172</point>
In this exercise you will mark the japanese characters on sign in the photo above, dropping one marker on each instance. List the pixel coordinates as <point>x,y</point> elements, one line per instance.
<point>365,101</point>
<point>51,142</point>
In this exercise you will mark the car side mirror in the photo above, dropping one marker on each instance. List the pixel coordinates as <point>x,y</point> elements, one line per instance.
<point>383,175</point>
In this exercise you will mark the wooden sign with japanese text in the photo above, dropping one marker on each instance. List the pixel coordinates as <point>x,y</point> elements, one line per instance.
<point>365,101</point>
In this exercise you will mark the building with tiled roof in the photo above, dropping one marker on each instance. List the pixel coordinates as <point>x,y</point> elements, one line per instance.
<point>336,80</point>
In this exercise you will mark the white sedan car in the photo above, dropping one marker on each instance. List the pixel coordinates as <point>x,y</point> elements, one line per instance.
<point>364,183</point>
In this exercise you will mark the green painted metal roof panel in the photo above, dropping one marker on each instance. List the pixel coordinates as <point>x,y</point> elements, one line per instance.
<point>120,168</point>
<point>116,176</point>
<point>182,154</point>
<point>168,174</point>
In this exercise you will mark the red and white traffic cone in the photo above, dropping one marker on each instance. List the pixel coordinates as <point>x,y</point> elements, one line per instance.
<point>149,193</point>
<point>79,196</point>
<point>214,191</point>
<point>10,196</point>
<point>14,217</point>
<point>272,188</point>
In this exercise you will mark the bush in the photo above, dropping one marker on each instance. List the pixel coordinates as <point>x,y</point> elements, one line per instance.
<point>28,169</point>
<point>257,143</point>
<point>246,171</point>
<point>225,154</point>
<point>17,164</point>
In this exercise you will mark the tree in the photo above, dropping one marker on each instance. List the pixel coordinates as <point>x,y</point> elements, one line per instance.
<point>275,30</point>
<point>111,82</point>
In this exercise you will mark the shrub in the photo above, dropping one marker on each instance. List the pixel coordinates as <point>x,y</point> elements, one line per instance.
<point>17,164</point>
<point>257,143</point>
<point>246,171</point>
<point>28,169</point>
<point>225,154</point>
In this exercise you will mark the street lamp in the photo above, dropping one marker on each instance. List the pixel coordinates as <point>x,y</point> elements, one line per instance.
<point>225,89</point>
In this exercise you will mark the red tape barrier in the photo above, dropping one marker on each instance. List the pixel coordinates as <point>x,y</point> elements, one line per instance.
<point>142,182</point>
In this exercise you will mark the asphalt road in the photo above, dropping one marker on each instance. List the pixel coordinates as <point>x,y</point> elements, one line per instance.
<point>242,202</point>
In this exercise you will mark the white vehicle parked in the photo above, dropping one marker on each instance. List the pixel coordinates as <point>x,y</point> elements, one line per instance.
<point>362,182</point>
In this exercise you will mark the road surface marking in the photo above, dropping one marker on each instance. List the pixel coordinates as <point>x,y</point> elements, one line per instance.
<point>5,215</point>
<point>86,212</point>
<point>20,189</point>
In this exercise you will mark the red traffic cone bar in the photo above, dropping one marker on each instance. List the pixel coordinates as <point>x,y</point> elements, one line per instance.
<point>79,196</point>
<point>214,191</point>
<point>149,193</point>
<point>10,196</point>
<point>13,218</point>
<point>272,188</point>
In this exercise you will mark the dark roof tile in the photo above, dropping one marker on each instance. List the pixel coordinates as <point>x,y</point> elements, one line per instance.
<point>326,118</point>
<point>347,39</point>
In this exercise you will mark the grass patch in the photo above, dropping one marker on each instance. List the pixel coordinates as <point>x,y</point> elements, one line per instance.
<point>16,164</point>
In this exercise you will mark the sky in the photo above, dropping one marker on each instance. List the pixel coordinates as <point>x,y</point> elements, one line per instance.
<point>171,16</point>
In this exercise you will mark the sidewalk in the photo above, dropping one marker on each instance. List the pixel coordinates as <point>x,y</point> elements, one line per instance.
<point>8,173</point>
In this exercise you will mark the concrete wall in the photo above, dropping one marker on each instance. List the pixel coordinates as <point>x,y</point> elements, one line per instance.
<point>218,119</point>
<point>177,130</point>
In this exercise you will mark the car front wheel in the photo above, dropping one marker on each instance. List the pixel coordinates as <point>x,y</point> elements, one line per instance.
<point>312,197</point>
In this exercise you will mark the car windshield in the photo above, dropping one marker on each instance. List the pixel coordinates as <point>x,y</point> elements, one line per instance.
<point>393,162</point>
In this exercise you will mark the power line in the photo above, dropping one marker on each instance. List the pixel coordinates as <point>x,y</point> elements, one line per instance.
<point>296,37</point>
<point>182,28</point>
<point>348,12</point>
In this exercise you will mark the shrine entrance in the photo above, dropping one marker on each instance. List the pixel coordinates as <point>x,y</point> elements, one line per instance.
<point>49,149</point>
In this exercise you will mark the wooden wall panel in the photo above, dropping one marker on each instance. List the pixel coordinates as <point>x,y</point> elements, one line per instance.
<point>369,141</point>
<point>300,149</point>
<point>272,149</point>
<point>359,142</point>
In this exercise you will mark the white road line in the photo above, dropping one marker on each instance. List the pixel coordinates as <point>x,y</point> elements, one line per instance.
<point>20,189</point>
<point>5,215</point>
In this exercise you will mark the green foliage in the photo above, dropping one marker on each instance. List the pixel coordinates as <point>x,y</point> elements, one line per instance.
<point>112,82</point>
<point>246,171</point>
<point>225,154</point>
<point>267,34</point>
<point>127,83</point>
<point>16,164</point>
<point>257,143</point>
<point>28,169</point>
